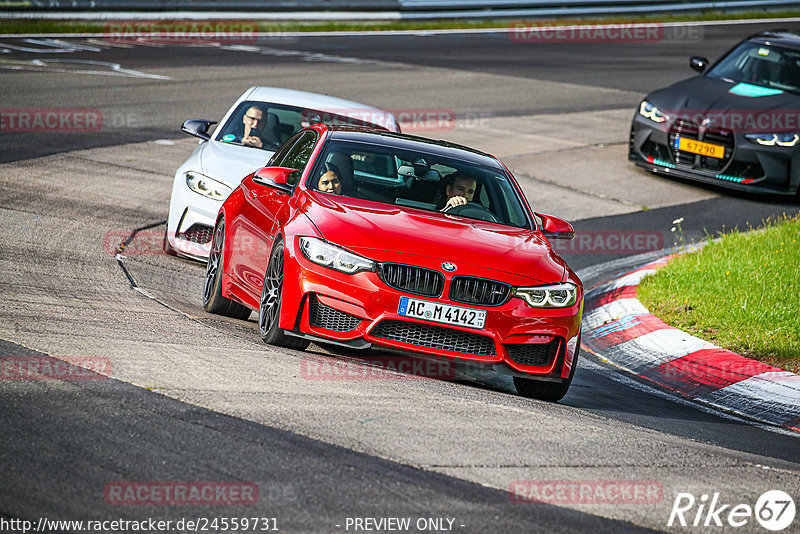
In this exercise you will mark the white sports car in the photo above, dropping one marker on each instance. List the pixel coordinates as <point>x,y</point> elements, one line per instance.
<point>261,120</point>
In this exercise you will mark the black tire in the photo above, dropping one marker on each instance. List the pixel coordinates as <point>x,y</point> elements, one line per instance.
<point>547,391</point>
<point>166,246</point>
<point>269,309</point>
<point>213,301</point>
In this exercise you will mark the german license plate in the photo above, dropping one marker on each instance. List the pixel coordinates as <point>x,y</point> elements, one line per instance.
<point>699,147</point>
<point>441,313</point>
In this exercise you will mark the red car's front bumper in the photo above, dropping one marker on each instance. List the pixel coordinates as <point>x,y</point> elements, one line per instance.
<point>340,307</point>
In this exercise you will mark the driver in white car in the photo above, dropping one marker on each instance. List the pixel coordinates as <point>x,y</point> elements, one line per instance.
<point>253,121</point>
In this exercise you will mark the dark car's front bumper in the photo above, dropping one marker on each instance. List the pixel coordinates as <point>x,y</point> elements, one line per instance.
<point>747,166</point>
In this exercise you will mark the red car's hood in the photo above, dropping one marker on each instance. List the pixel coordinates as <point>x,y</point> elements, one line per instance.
<point>375,230</point>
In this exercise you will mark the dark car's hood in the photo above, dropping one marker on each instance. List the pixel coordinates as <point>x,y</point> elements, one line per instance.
<point>711,97</point>
<point>374,230</point>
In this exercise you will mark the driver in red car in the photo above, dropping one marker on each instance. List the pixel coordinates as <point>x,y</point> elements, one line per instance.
<point>459,190</point>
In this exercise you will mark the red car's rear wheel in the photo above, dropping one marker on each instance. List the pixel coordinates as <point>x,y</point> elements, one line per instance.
<point>213,301</point>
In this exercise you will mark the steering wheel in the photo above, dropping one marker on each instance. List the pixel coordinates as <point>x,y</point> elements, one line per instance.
<point>473,210</point>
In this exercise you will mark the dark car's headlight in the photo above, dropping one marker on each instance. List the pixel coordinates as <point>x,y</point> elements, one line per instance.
<point>328,255</point>
<point>772,139</point>
<point>549,296</point>
<point>208,187</point>
<point>647,109</point>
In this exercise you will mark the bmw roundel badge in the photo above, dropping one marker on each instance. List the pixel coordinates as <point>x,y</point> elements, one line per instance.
<point>449,267</point>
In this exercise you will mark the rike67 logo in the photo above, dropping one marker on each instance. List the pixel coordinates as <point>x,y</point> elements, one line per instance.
<point>774,510</point>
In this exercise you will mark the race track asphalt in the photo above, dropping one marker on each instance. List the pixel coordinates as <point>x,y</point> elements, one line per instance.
<point>196,397</point>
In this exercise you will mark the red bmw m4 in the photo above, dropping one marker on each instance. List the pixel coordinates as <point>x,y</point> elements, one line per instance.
<point>367,238</point>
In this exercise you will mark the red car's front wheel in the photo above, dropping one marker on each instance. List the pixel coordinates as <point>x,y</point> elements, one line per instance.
<point>269,309</point>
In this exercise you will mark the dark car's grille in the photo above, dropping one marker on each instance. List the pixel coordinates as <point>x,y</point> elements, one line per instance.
<point>481,291</point>
<point>412,279</point>
<point>684,128</point>
<point>718,137</point>
<point>689,129</point>
<point>323,316</point>
<point>435,337</point>
<point>539,354</point>
<point>198,233</point>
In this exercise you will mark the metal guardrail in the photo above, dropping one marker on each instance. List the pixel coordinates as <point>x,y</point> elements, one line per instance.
<point>395,9</point>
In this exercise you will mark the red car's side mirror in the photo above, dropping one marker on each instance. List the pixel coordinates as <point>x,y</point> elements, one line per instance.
<point>275,177</point>
<point>556,228</point>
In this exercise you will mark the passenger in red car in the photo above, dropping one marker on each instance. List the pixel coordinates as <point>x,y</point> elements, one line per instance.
<point>460,189</point>
<point>330,182</point>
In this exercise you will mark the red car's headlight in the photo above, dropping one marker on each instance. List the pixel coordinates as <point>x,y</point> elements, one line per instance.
<point>549,296</point>
<point>337,258</point>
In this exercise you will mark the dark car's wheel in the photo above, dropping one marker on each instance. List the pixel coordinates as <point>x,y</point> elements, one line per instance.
<point>269,310</point>
<point>547,391</point>
<point>213,301</point>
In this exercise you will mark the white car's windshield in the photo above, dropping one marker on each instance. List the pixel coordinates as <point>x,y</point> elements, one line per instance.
<point>267,125</point>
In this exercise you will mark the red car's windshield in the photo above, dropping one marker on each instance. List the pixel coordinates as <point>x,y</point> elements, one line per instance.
<point>418,180</point>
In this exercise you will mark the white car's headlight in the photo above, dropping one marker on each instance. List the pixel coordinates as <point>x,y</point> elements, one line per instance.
<point>323,253</point>
<point>647,109</point>
<point>772,139</point>
<point>550,296</point>
<point>208,187</point>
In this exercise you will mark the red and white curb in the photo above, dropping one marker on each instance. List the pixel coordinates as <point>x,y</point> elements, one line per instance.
<point>618,328</point>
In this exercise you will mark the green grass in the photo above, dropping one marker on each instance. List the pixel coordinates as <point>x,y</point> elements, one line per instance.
<point>741,292</point>
<point>23,25</point>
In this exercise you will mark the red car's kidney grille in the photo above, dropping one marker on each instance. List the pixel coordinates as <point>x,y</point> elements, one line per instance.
<point>470,290</point>
<point>539,354</point>
<point>411,279</point>
<point>323,316</point>
<point>435,337</point>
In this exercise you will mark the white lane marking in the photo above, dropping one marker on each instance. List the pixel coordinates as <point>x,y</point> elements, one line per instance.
<point>113,69</point>
<point>57,43</point>
<point>305,56</point>
<point>49,46</point>
<point>104,43</point>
